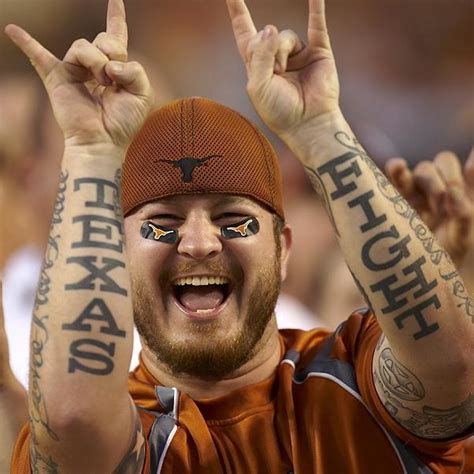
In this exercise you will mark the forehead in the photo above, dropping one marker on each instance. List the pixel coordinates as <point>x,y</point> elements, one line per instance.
<point>206,201</point>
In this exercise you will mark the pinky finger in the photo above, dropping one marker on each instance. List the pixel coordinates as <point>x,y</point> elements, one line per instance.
<point>131,76</point>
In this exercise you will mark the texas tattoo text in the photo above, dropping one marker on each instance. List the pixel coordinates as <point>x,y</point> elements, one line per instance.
<point>86,353</point>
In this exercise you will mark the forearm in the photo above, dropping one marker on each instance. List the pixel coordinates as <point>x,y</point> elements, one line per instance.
<point>81,332</point>
<point>415,292</point>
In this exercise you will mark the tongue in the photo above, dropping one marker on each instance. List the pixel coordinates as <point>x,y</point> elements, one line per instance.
<point>197,298</point>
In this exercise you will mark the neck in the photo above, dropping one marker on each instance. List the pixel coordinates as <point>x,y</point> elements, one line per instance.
<point>262,365</point>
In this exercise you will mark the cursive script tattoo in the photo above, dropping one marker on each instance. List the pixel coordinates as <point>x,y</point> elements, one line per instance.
<point>38,410</point>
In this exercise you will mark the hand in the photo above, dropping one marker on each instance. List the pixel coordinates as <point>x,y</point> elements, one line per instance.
<point>443,195</point>
<point>289,83</point>
<point>97,96</point>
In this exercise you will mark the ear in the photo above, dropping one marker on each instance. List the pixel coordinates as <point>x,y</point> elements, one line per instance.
<point>286,240</point>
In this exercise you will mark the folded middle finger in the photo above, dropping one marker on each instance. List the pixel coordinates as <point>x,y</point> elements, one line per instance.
<point>111,46</point>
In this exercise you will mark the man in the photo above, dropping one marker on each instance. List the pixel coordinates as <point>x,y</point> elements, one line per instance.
<point>219,389</point>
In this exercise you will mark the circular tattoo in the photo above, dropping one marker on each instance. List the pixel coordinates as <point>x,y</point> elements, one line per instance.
<point>398,379</point>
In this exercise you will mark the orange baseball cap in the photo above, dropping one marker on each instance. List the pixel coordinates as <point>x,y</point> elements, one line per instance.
<point>197,146</point>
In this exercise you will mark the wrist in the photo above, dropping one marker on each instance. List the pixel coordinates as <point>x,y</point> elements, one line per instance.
<point>100,152</point>
<point>315,140</point>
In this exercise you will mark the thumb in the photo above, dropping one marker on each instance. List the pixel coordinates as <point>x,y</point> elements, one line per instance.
<point>262,50</point>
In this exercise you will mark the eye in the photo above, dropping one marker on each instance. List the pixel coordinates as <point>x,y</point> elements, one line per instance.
<point>229,218</point>
<point>169,220</point>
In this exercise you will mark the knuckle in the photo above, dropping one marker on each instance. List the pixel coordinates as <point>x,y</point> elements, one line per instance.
<point>424,168</point>
<point>288,34</point>
<point>446,157</point>
<point>81,43</point>
<point>100,37</point>
<point>135,66</point>
<point>111,47</point>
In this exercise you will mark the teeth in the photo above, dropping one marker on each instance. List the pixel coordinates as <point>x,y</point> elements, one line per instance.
<point>201,281</point>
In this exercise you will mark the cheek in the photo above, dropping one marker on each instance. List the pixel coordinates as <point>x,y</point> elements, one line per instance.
<point>254,252</point>
<point>145,257</point>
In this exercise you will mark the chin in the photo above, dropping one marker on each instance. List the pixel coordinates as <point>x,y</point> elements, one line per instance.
<point>217,341</point>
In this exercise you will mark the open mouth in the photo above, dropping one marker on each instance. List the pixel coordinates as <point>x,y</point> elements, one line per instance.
<point>201,295</point>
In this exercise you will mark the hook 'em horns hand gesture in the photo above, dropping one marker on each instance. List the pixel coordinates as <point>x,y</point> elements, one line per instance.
<point>97,96</point>
<point>289,82</point>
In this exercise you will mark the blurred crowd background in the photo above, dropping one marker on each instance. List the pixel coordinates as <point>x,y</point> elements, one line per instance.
<point>406,69</point>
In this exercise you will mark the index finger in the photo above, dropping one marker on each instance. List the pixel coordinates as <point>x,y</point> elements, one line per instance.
<point>242,24</point>
<point>42,60</point>
<point>116,21</point>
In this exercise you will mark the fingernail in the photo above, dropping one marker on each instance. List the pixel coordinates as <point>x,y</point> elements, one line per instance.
<point>267,32</point>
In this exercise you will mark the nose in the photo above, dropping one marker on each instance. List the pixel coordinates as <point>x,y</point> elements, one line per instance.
<point>199,238</point>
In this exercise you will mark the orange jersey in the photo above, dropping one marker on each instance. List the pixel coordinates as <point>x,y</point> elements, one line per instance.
<point>469,462</point>
<point>318,413</point>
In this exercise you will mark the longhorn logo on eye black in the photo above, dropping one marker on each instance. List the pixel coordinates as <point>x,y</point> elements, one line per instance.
<point>241,229</point>
<point>187,165</point>
<point>159,233</point>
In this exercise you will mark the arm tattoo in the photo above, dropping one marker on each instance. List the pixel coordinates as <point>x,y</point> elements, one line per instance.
<point>398,379</point>
<point>384,249</point>
<point>408,292</point>
<point>132,462</point>
<point>38,410</point>
<point>100,229</point>
<point>436,254</point>
<point>398,384</point>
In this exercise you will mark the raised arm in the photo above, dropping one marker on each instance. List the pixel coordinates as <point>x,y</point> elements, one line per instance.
<point>409,281</point>
<point>81,417</point>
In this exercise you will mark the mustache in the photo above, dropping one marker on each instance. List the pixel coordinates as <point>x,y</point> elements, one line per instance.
<point>234,272</point>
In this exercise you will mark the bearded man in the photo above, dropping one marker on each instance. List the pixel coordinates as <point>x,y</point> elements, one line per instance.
<point>219,389</point>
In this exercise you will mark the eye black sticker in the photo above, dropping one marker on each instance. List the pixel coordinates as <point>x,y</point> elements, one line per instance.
<point>159,233</point>
<point>244,228</point>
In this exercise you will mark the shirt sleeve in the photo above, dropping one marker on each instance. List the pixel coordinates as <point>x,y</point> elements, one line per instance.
<point>20,463</point>
<point>362,333</point>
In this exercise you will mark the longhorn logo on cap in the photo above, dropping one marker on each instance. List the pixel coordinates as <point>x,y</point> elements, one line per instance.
<point>187,165</point>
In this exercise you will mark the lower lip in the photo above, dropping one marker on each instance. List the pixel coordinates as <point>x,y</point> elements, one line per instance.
<point>203,316</point>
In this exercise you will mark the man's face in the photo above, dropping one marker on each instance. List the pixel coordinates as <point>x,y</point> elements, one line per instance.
<point>202,304</point>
